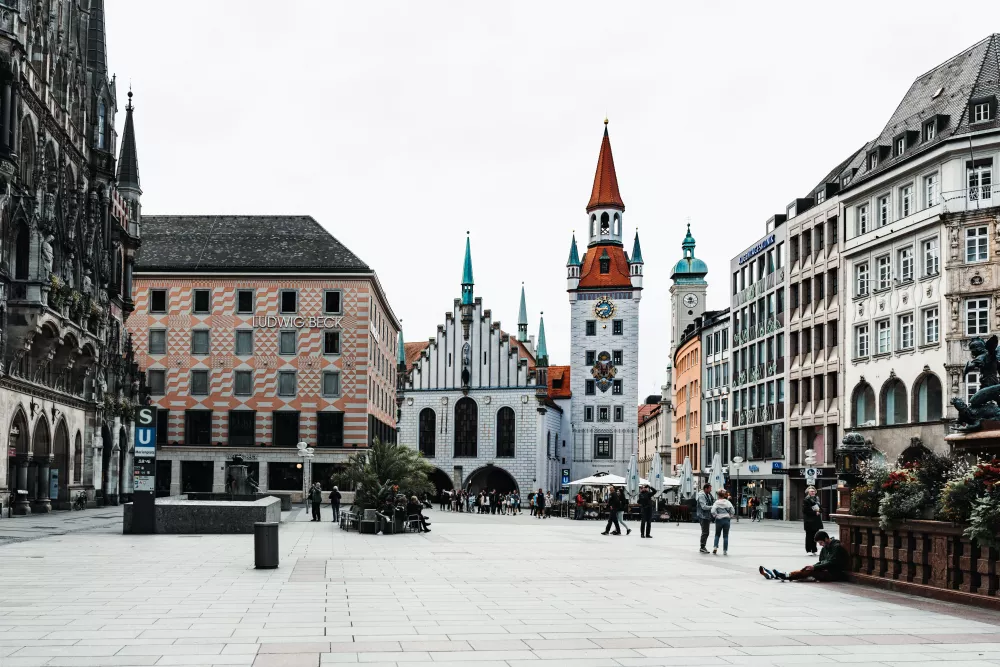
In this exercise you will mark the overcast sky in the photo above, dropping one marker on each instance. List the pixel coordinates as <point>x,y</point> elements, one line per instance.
<point>400,126</point>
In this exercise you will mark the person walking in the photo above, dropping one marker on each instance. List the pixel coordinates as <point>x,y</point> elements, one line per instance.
<point>704,514</point>
<point>316,498</point>
<point>613,505</point>
<point>812,518</point>
<point>540,503</point>
<point>722,513</point>
<point>579,507</point>
<point>548,504</point>
<point>646,510</point>
<point>623,506</point>
<point>335,503</point>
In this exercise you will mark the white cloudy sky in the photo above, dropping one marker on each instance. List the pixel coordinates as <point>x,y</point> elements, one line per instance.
<point>399,126</point>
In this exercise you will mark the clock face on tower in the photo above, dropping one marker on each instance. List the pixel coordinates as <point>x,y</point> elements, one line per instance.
<point>690,300</point>
<point>604,308</point>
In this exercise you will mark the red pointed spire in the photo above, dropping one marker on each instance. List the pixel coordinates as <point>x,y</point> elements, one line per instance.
<point>605,193</point>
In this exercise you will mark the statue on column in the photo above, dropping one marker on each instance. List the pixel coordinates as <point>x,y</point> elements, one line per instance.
<point>48,255</point>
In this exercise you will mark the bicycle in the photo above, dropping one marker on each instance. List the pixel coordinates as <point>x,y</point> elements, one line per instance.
<point>80,502</point>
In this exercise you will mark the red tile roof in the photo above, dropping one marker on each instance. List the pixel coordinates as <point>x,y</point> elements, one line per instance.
<point>647,411</point>
<point>559,375</point>
<point>590,273</point>
<point>605,193</point>
<point>521,348</point>
<point>413,351</point>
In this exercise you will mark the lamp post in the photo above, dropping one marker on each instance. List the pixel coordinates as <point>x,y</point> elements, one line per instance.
<point>739,489</point>
<point>307,453</point>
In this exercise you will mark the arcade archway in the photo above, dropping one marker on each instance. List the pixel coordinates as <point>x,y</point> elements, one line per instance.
<point>60,464</point>
<point>441,481</point>
<point>491,478</point>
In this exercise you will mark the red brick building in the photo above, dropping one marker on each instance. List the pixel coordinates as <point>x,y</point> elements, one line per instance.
<point>257,333</point>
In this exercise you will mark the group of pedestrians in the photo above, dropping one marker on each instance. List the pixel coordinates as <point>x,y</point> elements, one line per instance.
<point>717,509</point>
<point>316,500</point>
<point>484,502</point>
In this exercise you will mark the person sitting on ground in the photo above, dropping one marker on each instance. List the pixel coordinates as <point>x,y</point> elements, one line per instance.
<point>415,508</point>
<point>834,563</point>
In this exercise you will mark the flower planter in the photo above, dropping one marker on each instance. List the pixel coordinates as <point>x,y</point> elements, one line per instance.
<point>928,558</point>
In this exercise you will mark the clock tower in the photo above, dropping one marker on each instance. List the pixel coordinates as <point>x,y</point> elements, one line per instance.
<point>604,286</point>
<point>687,290</point>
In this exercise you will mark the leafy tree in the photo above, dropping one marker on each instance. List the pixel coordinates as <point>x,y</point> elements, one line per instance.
<point>382,470</point>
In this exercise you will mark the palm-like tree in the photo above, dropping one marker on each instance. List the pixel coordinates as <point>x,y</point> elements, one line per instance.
<point>382,470</point>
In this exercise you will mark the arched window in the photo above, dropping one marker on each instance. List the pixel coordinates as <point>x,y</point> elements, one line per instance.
<point>505,433</point>
<point>863,404</point>
<point>102,119</point>
<point>927,398</point>
<point>618,225</point>
<point>22,251</point>
<point>426,432</point>
<point>466,427</point>
<point>27,153</point>
<point>593,224</point>
<point>605,223</point>
<point>78,459</point>
<point>893,402</point>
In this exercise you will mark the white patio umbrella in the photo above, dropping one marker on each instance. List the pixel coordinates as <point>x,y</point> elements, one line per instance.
<point>656,473</point>
<point>718,477</point>
<point>687,478</point>
<point>632,478</point>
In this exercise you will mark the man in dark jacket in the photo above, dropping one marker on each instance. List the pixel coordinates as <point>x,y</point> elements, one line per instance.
<point>614,504</point>
<point>316,498</point>
<point>704,513</point>
<point>335,503</point>
<point>646,510</point>
<point>833,565</point>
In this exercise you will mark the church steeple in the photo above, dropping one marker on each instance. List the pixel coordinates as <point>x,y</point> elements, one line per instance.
<point>467,282</point>
<point>605,208</point>
<point>522,319</point>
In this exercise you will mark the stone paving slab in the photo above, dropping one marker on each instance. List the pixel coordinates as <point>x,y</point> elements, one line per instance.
<point>479,590</point>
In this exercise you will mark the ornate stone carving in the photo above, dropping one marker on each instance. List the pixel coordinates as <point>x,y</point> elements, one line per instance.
<point>983,404</point>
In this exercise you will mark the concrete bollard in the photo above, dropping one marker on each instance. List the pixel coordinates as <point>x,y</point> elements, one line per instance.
<point>265,545</point>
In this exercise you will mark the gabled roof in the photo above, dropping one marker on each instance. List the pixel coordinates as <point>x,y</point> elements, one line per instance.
<point>605,191</point>
<point>618,276</point>
<point>521,347</point>
<point>647,411</point>
<point>264,243</point>
<point>944,92</point>
<point>559,382</point>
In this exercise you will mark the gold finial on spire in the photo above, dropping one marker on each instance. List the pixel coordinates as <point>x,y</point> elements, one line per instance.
<point>605,119</point>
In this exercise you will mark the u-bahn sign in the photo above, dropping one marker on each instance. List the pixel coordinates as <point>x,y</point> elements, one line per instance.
<point>144,469</point>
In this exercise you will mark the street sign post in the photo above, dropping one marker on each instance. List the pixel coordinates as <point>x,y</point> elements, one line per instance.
<point>144,469</point>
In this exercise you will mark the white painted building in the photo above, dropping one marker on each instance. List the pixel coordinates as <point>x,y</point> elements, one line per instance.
<point>474,401</point>
<point>920,187</point>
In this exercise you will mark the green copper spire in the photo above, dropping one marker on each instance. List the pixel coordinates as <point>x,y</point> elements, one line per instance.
<point>522,319</point>
<point>467,281</point>
<point>541,351</point>
<point>636,251</point>
<point>401,351</point>
<point>688,244</point>
<point>574,256</point>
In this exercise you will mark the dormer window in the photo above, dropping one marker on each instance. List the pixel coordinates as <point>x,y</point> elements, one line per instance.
<point>930,130</point>
<point>820,196</point>
<point>982,111</point>
<point>900,146</point>
<point>605,263</point>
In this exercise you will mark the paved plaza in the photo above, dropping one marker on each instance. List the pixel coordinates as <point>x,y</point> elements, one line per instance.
<point>478,590</point>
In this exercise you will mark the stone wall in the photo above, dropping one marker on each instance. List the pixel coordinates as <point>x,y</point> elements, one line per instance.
<point>182,516</point>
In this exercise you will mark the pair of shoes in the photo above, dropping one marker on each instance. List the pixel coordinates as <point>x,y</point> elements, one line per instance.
<point>605,533</point>
<point>629,532</point>
<point>715,551</point>
<point>617,532</point>
<point>779,575</point>
<point>703,550</point>
<point>766,573</point>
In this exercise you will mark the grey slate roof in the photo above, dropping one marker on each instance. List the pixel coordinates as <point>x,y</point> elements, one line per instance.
<point>220,243</point>
<point>972,74</point>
